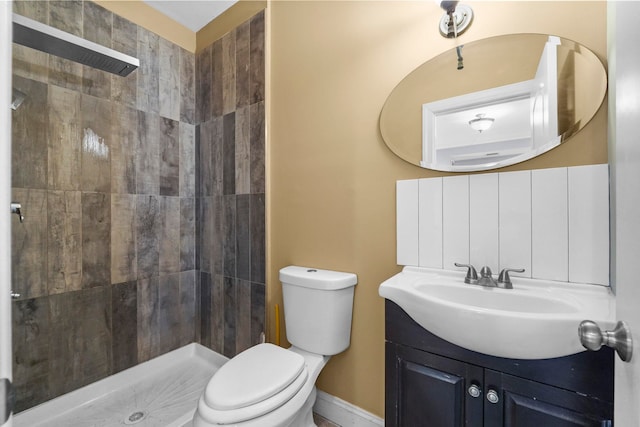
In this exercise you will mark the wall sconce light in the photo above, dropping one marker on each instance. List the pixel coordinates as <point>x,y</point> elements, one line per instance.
<point>456,20</point>
<point>481,123</point>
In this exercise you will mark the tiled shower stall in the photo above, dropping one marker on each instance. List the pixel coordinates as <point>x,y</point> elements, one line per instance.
<point>143,199</point>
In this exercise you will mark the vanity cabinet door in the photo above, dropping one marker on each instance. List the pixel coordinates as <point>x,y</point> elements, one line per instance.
<point>525,403</point>
<point>428,390</point>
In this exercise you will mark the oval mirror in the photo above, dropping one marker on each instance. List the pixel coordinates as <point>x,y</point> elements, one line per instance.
<point>517,96</point>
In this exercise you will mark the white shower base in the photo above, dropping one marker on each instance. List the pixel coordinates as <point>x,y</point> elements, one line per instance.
<point>162,392</point>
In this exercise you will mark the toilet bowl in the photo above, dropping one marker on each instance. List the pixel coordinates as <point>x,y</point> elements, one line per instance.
<point>251,400</point>
<point>269,386</point>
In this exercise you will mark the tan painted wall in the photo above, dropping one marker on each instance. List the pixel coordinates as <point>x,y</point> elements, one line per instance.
<point>331,179</point>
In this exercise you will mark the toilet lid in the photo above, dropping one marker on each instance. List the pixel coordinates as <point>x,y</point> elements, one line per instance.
<point>218,417</point>
<point>253,376</point>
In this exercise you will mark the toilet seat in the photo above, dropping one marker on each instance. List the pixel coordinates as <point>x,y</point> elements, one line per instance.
<point>253,383</point>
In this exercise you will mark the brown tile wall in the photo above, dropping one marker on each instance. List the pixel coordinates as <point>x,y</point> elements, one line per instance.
<point>230,189</point>
<point>104,167</point>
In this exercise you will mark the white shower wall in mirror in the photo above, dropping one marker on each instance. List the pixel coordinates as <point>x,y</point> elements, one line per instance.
<point>554,223</point>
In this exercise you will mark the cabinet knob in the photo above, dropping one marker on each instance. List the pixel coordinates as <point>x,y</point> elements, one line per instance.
<point>474,391</point>
<point>492,396</point>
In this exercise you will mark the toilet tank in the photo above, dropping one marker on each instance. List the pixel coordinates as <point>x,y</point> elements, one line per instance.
<point>318,305</point>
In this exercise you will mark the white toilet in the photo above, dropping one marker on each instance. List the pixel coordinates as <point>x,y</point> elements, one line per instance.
<point>269,386</point>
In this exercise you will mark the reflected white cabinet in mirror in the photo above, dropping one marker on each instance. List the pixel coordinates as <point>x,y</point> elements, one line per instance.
<point>517,96</point>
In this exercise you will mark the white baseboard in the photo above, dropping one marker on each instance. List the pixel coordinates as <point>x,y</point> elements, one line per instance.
<point>344,413</point>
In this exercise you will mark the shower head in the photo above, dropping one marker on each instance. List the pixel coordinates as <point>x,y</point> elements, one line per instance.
<point>36,35</point>
<point>17,98</point>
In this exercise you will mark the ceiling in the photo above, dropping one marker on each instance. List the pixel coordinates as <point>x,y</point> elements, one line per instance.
<point>192,14</point>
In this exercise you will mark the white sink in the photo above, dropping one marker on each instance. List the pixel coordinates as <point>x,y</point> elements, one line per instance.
<point>537,319</point>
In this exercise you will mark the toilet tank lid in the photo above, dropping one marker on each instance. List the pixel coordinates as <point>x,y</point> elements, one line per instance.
<point>316,278</point>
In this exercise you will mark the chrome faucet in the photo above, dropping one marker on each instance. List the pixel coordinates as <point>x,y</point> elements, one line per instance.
<point>486,276</point>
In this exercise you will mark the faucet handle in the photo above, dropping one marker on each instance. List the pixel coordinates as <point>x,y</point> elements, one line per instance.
<point>472,275</point>
<point>504,281</point>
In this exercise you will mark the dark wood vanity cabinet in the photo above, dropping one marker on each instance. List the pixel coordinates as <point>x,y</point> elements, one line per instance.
<point>433,383</point>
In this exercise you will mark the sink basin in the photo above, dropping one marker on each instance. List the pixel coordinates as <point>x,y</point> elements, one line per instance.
<point>537,319</point>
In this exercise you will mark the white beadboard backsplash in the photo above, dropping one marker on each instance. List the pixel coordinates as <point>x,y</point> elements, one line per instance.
<point>554,223</point>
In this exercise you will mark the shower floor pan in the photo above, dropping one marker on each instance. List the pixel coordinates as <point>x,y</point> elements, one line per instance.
<point>162,392</point>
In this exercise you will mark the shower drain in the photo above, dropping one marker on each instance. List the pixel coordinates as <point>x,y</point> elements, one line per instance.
<point>135,417</point>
